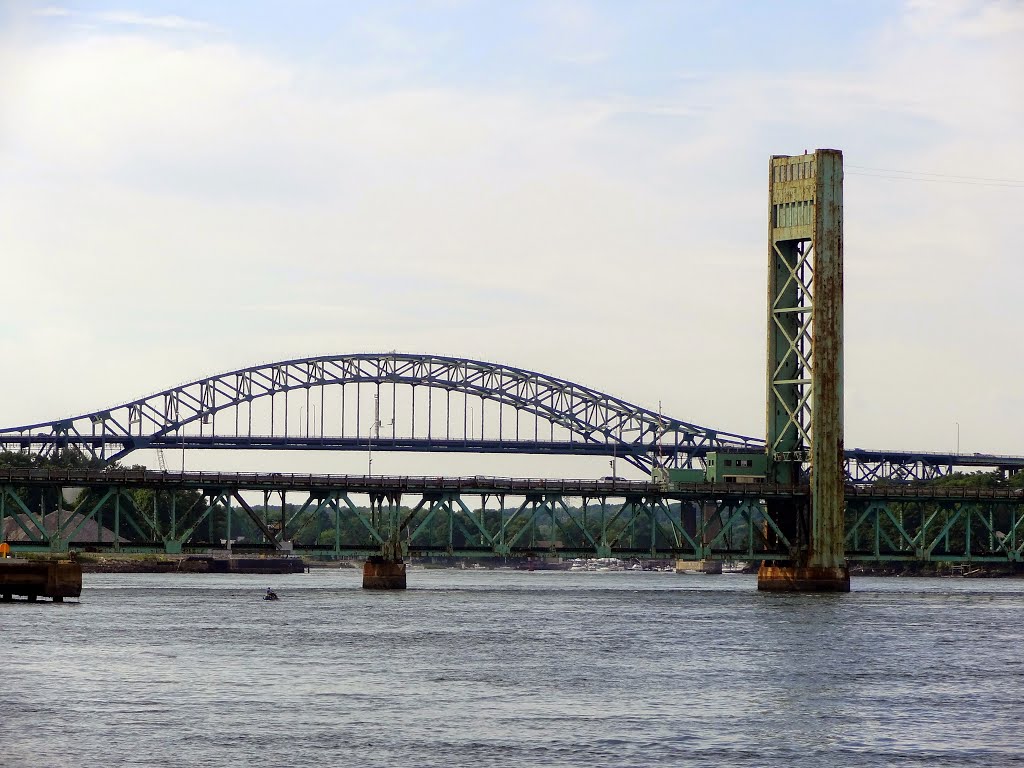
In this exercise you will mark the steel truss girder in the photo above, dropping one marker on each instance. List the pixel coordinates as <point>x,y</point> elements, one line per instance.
<point>593,416</point>
<point>608,425</point>
<point>790,349</point>
<point>881,530</point>
<point>508,516</point>
<point>859,470</point>
<point>514,532</point>
<point>701,522</point>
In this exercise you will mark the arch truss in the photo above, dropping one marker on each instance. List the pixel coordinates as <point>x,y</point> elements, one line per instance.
<point>394,402</point>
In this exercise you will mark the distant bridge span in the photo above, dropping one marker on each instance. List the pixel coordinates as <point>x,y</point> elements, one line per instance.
<point>404,402</point>
<point>353,402</point>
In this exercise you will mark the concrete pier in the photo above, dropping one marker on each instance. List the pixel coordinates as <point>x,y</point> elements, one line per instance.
<point>710,567</point>
<point>33,579</point>
<point>379,573</point>
<point>787,578</point>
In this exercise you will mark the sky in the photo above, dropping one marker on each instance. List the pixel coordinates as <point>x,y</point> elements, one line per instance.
<point>577,188</point>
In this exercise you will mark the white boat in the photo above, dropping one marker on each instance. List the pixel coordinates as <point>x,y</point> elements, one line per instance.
<point>735,566</point>
<point>602,564</point>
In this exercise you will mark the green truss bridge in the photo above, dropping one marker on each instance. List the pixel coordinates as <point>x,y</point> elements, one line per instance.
<point>399,517</point>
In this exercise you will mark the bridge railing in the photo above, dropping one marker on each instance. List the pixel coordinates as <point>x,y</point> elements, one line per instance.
<point>417,483</point>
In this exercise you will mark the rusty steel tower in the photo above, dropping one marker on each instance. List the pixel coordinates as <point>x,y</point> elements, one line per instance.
<point>805,367</point>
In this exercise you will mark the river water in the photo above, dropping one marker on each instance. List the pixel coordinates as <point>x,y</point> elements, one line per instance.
<point>505,668</point>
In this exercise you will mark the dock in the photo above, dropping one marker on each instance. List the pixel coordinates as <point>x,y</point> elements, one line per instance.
<point>32,579</point>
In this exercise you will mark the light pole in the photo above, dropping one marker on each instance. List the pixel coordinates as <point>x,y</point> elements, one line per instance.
<point>374,430</point>
<point>616,442</point>
<point>958,438</point>
<point>374,425</point>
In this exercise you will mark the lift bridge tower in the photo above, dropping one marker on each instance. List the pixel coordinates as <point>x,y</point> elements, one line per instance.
<point>805,368</point>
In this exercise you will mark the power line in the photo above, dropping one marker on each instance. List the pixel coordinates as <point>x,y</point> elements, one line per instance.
<point>935,178</point>
<point>1011,185</point>
<point>927,173</point>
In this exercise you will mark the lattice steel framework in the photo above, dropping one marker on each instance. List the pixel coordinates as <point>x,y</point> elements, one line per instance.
<point>486,516</point>
<point>194,415</point>
<point>199,414</point>
<point>805,357</point>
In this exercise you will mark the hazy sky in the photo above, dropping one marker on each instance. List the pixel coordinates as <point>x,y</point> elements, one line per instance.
<point>572,187</point>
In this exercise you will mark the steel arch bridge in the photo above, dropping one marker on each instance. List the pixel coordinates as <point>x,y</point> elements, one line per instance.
<point>406,402</point>
<point>323,403</point>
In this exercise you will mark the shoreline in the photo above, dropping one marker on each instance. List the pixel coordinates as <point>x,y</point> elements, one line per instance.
<point>209,563</point>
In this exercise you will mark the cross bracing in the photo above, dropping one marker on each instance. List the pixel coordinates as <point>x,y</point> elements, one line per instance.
<point>398,517</point>
<point>325,403</point>
<point>518,410</point>
<point>792,322</point>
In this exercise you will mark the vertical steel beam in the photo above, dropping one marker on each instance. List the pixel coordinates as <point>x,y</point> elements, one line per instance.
<point>805,362</point>
<point>827,477</point>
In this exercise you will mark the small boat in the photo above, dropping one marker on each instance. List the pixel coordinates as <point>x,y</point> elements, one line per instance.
<point>271,595</point>
<point>735,566</point>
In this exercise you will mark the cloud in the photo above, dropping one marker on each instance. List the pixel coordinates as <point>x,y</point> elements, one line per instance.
<point>964,19</point>
<point>158,22</point>
<point>121,18</point>
<point>51,11</point>
<point>573,32</point>
<point>175,207</point>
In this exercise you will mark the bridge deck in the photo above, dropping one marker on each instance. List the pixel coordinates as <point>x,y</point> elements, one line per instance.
<point>466,444</point>
<point>399,484</point>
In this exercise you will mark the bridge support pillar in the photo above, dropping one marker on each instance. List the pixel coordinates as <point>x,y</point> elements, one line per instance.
<point>381,573</point>
<point>805,369</point>
<point>789,578</point>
